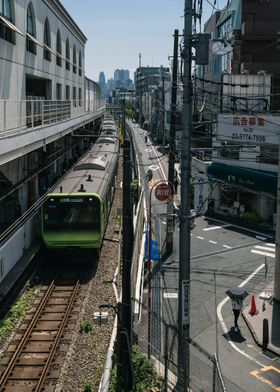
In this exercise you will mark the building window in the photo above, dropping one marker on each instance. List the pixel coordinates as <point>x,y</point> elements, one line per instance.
<point>80,97</point>
<point>58,91</point>
<point>74,96</point>
<point>80,63</point>
<point>67,93</point>
<point>30,30</point>
<point>47,41</point>
<point>6,12</point>
<point>74,60</point>
<point>67,55</point>
<point>58,49</point>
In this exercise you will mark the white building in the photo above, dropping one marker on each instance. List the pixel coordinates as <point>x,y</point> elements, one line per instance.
<point>45,100</point>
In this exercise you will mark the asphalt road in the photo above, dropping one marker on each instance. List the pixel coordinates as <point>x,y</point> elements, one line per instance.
<point>234,254</point>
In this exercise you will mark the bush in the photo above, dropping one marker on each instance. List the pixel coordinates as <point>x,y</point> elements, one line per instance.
<point>251,217</point>
<point>145,374</point>
<point>86,326</point>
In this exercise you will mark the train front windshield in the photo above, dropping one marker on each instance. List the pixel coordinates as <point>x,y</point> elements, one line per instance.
<point>72,213</point>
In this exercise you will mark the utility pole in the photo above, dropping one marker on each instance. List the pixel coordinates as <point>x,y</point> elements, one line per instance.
<point>163,108</point>
<point>277,239</point>
<point>125,332</point>
<point>185,243</point>
<point>171,158</point>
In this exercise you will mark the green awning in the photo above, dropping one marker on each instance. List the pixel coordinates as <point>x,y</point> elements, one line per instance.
<point>251,179</point>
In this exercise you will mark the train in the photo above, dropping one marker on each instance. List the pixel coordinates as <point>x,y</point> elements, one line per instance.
<point>76,212</point>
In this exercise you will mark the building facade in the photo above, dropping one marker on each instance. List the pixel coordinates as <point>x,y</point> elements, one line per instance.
<point>46,105</point>
<point>238,92</point>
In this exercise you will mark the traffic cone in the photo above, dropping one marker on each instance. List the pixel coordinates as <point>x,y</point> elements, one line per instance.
<point>253,309</point>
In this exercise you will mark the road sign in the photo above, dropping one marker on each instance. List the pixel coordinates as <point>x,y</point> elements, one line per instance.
<point>163,192</point>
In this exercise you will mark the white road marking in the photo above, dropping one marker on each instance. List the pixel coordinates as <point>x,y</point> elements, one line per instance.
<point>220,317</point>
<point>164,223</point>
<point>213,242</point>
<point>264,248</point>
<point>162,171</point>
<point>258,237</point>
<point>148,150</point>
<point>216,227</point>
<point>170,295</point>
<point>269,244</point>
<point>153,167</point>
<point>263,253</point>
<point>200,238</point>
<point>239,227</point>
<point>226,246</point>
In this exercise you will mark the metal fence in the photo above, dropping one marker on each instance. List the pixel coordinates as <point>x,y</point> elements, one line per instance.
<point>205,373</point>
<point>16,115</point>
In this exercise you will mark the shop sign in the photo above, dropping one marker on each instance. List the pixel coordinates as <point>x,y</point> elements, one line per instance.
<point>259,129</point>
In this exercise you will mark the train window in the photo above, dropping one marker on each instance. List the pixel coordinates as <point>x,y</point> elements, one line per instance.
<point>83,215</point>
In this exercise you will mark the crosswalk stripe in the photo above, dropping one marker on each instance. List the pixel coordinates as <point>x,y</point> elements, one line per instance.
<point>269,244</point>
<point>263,253</point>
<point>264,248</point>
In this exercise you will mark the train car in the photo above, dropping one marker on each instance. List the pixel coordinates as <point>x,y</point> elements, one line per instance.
<point>75,213</point>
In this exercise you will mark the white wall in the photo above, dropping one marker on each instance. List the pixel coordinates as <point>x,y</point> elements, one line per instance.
<point>16,62</point>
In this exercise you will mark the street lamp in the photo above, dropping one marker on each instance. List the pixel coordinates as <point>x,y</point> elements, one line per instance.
<point>164,192</point>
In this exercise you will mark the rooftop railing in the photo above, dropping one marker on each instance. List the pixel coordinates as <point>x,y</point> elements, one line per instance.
<point>19,116</point>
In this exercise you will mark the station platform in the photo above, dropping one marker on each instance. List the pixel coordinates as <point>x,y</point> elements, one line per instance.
<point>265,309</point>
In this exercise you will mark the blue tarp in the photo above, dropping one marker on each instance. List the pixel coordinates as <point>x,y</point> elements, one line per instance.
<point>155,250</point>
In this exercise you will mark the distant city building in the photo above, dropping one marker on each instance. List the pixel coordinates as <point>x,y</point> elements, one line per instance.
<point>121,78</point>
<point>151,86</point>
<point>102,83</point>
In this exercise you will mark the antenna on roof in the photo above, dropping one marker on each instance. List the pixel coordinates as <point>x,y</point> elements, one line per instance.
<point>140,55</point>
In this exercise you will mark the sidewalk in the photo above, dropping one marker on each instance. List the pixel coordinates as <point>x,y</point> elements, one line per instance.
<point>269,310</point>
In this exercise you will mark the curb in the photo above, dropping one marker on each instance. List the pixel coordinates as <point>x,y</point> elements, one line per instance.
<point>254,335</point>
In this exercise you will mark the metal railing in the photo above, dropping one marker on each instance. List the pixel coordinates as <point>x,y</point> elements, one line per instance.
<point>19,115</point>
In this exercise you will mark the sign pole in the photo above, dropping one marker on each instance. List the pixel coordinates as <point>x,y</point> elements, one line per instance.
<point>163,192</point>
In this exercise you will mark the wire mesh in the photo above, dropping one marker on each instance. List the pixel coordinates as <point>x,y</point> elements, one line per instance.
<point>204,371</point>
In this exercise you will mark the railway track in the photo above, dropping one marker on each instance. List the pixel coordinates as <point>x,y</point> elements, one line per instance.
<point>33,359</point>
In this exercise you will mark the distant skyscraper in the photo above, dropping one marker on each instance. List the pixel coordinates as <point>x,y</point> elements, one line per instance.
<point>101,80</point>
<point>102,83</point>
<point>121,78</point>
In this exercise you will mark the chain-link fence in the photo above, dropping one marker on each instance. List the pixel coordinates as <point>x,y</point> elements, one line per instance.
<point>204,370</point>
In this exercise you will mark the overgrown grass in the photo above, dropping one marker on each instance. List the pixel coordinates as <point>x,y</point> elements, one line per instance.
<point>145,375</point>
<point>85,326</point>
<point>18,311</point>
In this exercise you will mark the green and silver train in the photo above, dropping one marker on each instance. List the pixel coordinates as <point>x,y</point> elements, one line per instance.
<point>75,214</point>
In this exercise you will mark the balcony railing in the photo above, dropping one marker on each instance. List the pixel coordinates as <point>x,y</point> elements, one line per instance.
<point>19,116</point>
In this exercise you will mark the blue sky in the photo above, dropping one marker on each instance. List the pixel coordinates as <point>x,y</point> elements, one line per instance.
<point>118,30</point>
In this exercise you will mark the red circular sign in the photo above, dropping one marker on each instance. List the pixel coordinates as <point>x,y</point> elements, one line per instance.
<point>163,192</point>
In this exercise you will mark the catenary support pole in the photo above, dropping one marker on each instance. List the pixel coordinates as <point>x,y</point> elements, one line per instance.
<point>127,237</point>
<point>184,249</point>
<point>171,158</point>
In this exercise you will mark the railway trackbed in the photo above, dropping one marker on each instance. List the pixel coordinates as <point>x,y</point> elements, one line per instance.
<point>34,357</point>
